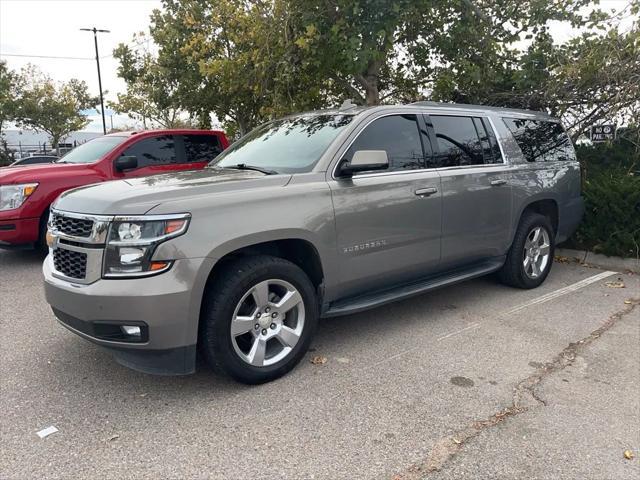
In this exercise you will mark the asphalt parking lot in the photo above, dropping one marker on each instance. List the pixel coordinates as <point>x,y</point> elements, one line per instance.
<point>475,380</point>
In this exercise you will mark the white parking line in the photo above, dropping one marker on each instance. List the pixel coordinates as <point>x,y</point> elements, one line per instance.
<point>536,301</point>
<point>558,293</point>
<point>473,325</point>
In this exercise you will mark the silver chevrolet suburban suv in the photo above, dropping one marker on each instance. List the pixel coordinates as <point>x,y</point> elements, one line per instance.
<point>314,215</point>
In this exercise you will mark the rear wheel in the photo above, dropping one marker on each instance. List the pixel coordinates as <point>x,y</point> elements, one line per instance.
<point>531,255</point>
<point>258,319</point>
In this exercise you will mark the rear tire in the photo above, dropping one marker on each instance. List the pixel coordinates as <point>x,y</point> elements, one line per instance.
<point>531,254</point>
<point>270,292</point>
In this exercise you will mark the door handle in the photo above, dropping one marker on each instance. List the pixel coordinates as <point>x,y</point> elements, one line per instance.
<point>425,192</point>
<point>498,182</point>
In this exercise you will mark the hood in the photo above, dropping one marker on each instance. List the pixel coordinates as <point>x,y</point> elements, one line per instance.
<point>137,196</point>
<point>34,173</point>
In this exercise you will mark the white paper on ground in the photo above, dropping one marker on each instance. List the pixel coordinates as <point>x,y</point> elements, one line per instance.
<point>47,431</point>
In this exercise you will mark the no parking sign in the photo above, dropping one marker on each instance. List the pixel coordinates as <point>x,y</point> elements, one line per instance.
<point>603,133</point>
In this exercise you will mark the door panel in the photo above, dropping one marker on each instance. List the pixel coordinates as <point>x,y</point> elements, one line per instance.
<point>476,214</point>
<point>386,233</point>
<point>476,189</point>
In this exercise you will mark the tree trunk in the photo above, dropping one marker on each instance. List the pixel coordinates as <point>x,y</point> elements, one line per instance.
<point>55,140</point>
<point>369,81</point>
<point>243,126</point>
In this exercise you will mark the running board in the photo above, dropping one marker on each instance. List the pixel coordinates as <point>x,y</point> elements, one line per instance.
<point>382,297</point>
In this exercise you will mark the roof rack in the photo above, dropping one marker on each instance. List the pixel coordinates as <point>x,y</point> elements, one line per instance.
<point>347,105</point>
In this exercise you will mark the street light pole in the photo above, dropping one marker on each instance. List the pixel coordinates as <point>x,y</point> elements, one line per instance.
<point>95,39</point>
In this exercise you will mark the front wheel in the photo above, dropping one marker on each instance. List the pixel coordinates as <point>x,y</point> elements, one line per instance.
<point>258,319</point>
<point>531,255</point>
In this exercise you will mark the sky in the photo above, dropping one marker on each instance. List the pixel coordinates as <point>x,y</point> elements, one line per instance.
<point>51,28</point>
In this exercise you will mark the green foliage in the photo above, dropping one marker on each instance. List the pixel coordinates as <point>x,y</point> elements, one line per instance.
<point>152,88</point>
<point>589,79</point>
<point>611,224</point>
<point>52,108</point>
<point>9,91</point>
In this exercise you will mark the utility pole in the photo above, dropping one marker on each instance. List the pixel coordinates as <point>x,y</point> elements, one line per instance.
<point>95,40</point>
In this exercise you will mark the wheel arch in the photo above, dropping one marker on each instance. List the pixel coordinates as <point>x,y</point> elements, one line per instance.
<point>297,248</point>
<point>544,205</point>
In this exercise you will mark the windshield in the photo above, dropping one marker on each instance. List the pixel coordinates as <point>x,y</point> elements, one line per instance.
<point>289,145</point>
<point>93,150</point>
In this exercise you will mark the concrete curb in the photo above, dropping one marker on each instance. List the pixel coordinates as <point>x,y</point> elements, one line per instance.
<point>598,260</point>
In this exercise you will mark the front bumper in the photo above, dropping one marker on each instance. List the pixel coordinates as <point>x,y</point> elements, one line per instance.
<point>19,232</point>
<point>167,305</point>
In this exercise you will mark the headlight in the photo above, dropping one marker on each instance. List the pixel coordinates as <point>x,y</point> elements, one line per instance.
<point>132,241</point>
<point>12,196</point>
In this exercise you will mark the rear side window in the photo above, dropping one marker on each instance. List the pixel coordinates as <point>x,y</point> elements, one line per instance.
<point>154,151</point>
<point>541,141</point>
<point>398,135</point>
<point>459,143</point>
<point>201,148</point>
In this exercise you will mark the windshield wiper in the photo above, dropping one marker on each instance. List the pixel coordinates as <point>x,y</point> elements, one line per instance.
<point>244,166</point>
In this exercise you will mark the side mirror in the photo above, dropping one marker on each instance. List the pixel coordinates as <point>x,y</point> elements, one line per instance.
<point>126,162</point>
<point>364,160</point>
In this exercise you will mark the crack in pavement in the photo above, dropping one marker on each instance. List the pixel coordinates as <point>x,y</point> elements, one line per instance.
<point>525,398</point>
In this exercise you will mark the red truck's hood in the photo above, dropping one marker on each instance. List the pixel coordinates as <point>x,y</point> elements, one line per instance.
<point>35,173</point>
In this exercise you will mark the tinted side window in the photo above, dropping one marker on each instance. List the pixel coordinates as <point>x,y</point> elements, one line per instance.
<point>154,151</point>
<point>540,141</point>
<point>201,148</point>
<point>398,135</point>
<point>458,141</point>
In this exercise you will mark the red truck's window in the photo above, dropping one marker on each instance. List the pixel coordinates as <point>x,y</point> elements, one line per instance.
<point>154,151</point>
<point>201,148</point>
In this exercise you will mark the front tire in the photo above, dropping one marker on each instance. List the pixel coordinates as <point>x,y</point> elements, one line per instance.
<point>258,319</point>
<point>531,254</point>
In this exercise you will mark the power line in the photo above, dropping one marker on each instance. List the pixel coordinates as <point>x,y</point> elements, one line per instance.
<point>44,56</point>
<point>51,56</point>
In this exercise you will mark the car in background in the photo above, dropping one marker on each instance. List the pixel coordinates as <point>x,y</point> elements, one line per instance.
<point>26,192</point>
<point>34,160</point>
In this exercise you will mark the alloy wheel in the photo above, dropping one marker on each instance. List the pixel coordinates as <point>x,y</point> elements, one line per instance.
<point>267,322</point>
<point>537,251</point>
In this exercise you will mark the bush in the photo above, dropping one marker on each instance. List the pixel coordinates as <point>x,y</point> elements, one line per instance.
<point>611,190</point>
<point>611,223</point>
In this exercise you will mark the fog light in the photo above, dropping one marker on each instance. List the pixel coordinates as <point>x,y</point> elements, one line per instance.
<point>131,330</point>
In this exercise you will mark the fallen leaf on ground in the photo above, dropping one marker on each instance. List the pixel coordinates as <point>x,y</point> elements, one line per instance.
<point>628,454</point>
<point>319,360</point>
<point>560,259</point>
<point>616,284</point>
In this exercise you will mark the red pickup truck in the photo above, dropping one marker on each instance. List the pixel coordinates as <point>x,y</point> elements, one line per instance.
<point>27,192</point>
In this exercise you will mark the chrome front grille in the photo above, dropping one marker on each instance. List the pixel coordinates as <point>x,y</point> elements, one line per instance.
<point>70,263</point>
<point>74,227</point>
<point>77,244</point>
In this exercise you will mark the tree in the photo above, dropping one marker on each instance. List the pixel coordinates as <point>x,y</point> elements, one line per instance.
<point>591,78</point>
<point>237,57</point>
<point>151,94</point>
<point>9,92</point>
<point>52,108</point>
<point>382,50</point>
